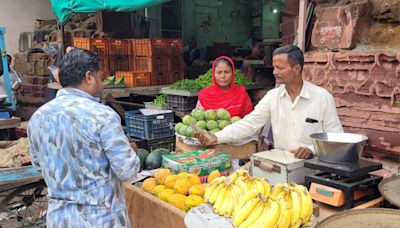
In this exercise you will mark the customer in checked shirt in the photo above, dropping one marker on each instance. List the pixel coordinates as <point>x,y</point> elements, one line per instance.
<point>82,150</point>
<point>295,109</point>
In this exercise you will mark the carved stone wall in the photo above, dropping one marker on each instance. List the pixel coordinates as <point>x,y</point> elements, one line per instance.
<point>366,87</point>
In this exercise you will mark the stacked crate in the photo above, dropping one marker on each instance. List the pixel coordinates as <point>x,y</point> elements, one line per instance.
<point>156,130</point>
<point>120,54</point>
<point>98,46</point>
<point>175,60</point>
<point>142,62</point>
<point>33,68</point>
<point>150,55</point>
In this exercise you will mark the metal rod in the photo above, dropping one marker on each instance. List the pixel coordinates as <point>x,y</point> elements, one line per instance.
<point>62,41</point>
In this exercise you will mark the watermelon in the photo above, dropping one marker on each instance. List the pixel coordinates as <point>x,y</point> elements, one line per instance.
<point>142,154</point>
<point>162,151</point>
<point>153,161</point>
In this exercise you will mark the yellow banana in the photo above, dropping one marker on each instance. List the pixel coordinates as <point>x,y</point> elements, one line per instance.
<point>261,222</point>
<point>237,192</point>
<point>273,213</point>
<point>231,205</point>
<point>278,188</point>
<point>239,182</point>
<point>210,189</point>
<point>249,184</point>
<point>296,207</point>
<point>244,212</point>
<point>242,172</point>
<point>259,186</point>
<point>297,224</point>
<point>233,176</point>
<point>245,198</point>
<point>253,216</point>
<point>267,187</point>
<point>215,193</point>
<point>306,203</point>
<point>220,201</point>
<point>227,200</point>
<point>284,217</point>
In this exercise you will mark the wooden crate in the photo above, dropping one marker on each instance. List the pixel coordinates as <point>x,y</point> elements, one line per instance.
<point>145,210</point>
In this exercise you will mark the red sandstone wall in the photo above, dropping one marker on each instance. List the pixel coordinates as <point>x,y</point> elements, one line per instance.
<point>358,61</point>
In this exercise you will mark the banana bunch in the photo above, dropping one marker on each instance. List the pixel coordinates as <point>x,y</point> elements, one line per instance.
<point>224,195</point>
<point>257,211</point>
<point>296,205</point>
<point>242,178</point>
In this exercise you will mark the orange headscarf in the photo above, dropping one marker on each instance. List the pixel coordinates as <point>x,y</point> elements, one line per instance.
<point>235,99</point>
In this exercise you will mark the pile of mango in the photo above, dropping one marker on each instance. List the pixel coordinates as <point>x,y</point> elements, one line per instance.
<point>183,190</point>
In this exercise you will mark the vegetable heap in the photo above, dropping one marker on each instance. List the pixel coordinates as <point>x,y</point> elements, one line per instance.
<point>186,84</point>
<point>111,80</point>
<point>160,100</point>
<point>205,80</point>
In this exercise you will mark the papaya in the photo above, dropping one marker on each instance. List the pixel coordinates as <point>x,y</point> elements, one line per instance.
<point>170,181</point>
<point>182,174</point>
<point>177,200</point>
<point>197,190</point>
<point>182,186</point>
<point>214,174</point>
<point>192,201</point>
<point>161,174</point>
<point>164,194</point>
<point>193,178</point>
<point>157,189</point>
<point>149,184</point>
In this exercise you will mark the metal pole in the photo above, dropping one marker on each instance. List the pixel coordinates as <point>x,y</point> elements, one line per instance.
<point>302,24</point>
<point>6,74</point>
<point>62,40</point>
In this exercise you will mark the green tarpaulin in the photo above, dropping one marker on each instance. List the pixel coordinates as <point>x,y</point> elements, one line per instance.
<point>63,9</point>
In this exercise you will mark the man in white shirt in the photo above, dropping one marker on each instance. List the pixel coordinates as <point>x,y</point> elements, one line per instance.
<point>295,109</point>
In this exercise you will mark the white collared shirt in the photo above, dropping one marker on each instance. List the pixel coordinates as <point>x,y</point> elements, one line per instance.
<point>288,119</point>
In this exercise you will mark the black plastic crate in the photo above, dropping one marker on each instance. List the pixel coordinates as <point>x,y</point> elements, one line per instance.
<point>152,144</point>
<point>181,103</point>
<point>167,143</point>
<point>149,127</point>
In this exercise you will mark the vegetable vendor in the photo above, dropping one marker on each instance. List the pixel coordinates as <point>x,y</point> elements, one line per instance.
<point>295,110</point>
<point>224,93</point>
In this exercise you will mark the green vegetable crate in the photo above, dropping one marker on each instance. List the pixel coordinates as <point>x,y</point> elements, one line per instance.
<point>201,162</point>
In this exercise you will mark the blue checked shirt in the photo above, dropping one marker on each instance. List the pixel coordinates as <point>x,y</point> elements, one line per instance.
<point>84,157</point>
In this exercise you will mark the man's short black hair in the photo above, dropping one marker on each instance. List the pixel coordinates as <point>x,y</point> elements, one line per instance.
<point>294,54</point>
<point>74,65</point>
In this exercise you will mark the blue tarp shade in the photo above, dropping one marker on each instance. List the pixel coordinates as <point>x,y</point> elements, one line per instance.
<point>63,9</point>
